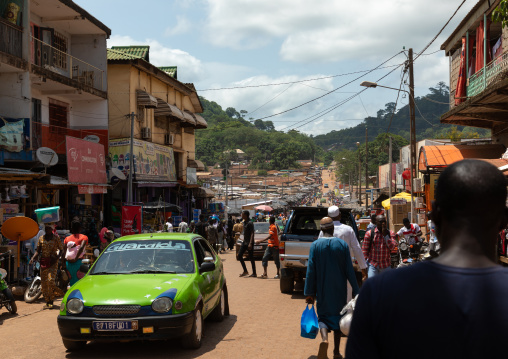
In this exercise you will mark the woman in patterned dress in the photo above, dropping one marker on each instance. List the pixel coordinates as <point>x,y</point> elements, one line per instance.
<point>47,248</point>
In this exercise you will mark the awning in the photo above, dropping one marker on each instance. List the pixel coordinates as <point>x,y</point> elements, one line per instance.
<point>13,174</point>
<point>83,188</point>
<point>443,156</point>
<point>145,99</point>
<point>188,119</point>
<point>166,109</point>
<point>156,184</point>
<point>197,164</point>
<point>202,192</point>
<point>200,121</point>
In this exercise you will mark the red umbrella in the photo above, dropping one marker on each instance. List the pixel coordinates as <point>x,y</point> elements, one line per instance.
<point>264,208</point>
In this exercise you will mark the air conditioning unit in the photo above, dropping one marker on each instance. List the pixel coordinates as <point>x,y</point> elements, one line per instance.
<point>146,133</point>
<point>169,139</point>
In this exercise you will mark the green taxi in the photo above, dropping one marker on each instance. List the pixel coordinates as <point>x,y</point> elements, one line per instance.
<point>146,287</point>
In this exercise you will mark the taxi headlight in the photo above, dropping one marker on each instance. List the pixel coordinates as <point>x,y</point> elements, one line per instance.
<point>62,306</point>
<point>162,305</point>
<point>75,306</point>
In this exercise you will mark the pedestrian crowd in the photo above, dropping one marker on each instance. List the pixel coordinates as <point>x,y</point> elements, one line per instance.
<point>456,300</point>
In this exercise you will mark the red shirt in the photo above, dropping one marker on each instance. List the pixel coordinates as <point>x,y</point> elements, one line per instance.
<point>77,240</point>
<point>377,251</point>
<point>274,237</point>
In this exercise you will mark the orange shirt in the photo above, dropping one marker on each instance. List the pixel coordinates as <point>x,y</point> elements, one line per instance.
<point>78,240</point>
<point>274,239</point>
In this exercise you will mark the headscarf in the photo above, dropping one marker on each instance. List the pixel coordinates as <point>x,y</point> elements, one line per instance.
<point>102,233</point>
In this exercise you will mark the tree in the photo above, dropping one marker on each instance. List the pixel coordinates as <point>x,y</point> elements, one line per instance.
<point>500,13</point>
<point>231,112</point>
<point>260,125</point>
<point>243,113</point>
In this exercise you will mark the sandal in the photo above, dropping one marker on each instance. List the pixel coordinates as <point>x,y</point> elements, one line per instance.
<point>244,274</point>
<point>264,276</point>
<point>253,276</point>
<point>48,306</point>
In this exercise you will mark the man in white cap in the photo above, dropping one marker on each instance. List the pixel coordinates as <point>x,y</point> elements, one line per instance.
<point>347,234</point>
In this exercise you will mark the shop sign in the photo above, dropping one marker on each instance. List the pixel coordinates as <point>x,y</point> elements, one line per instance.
<point>152,162</point>
<point>92,189</point>
<point>85,161</point>
<point>132,219</point>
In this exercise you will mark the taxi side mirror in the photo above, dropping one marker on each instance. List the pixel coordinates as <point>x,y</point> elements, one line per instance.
<point>206,267</point>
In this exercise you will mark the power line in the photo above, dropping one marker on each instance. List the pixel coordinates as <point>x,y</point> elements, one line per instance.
<point>322,113</point>
<point>266,103</point>
<point>439,33</point>
<point>295,82</point>
<point>332,91</point>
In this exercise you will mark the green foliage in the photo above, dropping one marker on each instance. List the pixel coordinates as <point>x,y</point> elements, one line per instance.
<point>500,13</point>
<point>428,112</point>
<point>262,172</point>
<point>267,148</point>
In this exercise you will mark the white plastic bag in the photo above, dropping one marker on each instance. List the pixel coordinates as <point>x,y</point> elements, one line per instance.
<point>347,316</point>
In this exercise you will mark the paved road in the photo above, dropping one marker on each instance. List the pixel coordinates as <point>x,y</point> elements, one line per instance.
<point>263,324</point>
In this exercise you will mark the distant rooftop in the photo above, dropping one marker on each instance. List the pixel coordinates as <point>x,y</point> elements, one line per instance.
<point>129,52</point>
<point>170,70</point>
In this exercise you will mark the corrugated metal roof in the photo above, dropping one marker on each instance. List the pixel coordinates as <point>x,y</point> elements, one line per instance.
<point>129,52</point>
<point>443,156</point>
<point>170,70</point>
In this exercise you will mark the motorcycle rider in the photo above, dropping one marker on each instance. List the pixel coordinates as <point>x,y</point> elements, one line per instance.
<point>411,232</point>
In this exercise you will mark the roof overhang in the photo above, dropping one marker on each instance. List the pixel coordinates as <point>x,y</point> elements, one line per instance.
<point>468,22</point>
<point>166,109</point>
<point>489,109</point>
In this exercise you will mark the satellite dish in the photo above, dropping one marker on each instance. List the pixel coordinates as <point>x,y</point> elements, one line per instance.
<point>92,138</point>
<point>47,156</point>
<point>117,173</point>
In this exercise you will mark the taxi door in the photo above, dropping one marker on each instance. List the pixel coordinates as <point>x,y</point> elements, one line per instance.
<point>208,280</point>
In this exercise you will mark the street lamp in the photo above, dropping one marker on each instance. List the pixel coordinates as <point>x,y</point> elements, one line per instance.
<point>370,84</point>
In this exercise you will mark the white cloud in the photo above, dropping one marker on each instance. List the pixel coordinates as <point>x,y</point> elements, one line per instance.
<point>190,69</point>
<point>182,26</point>
<point>329,30</point>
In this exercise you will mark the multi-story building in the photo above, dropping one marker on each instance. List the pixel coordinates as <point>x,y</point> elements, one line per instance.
<point>53,84</point>
<point>478,53</point>
<point>166,115</point>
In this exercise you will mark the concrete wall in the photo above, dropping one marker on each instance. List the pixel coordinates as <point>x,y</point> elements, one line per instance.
<point>14,99</point>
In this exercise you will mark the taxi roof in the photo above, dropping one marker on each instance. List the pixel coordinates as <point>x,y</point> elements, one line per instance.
<point>163,236</point>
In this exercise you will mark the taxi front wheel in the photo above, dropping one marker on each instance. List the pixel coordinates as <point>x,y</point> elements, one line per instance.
<point>193,339</point>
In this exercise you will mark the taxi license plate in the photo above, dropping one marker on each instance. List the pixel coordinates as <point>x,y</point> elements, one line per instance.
<point>116,325</point>
<point>258,247</point>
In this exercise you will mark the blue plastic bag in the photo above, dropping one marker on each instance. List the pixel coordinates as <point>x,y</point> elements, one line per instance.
<point>309,323</point>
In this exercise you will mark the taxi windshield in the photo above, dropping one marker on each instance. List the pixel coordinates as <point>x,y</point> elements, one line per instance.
<point>145,256</point>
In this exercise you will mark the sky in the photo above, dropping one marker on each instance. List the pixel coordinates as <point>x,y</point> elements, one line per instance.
<point>220,44</point>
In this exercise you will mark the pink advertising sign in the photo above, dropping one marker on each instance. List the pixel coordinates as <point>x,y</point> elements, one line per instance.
<point>86,162</point>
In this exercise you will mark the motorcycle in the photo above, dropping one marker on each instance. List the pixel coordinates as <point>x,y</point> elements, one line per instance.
<point>6,297</point>
<point>409,253</point>
<point>34,289</point>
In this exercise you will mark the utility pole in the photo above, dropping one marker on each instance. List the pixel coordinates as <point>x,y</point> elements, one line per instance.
<point>131,160</point>
<point>412,144</point>
<point>366,169</point>
<point>390,164</point>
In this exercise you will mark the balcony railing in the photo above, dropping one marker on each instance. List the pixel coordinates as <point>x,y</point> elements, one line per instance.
<point>48,57</point>
<point>10,38</point>
<point>478,83</point>
<point>44,135</point>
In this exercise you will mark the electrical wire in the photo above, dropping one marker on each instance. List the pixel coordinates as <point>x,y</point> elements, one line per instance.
<point>397,100</point>
<point>332,108</point>
<point>273,98</point>
<point>295,82</point>
<point>440,31</point>
<point>334,90</point>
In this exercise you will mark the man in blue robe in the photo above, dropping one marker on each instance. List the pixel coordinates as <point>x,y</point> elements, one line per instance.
<point>328,270</point>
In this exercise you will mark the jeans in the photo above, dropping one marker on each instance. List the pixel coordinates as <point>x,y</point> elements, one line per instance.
<point>250,256</point>
<point>271,252</point>
<point>372,271</point>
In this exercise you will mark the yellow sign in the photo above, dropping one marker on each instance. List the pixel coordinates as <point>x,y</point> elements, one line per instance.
<point>152,162</point>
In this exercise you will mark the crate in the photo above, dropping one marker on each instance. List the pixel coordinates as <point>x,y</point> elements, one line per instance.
<point>48,215</point>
